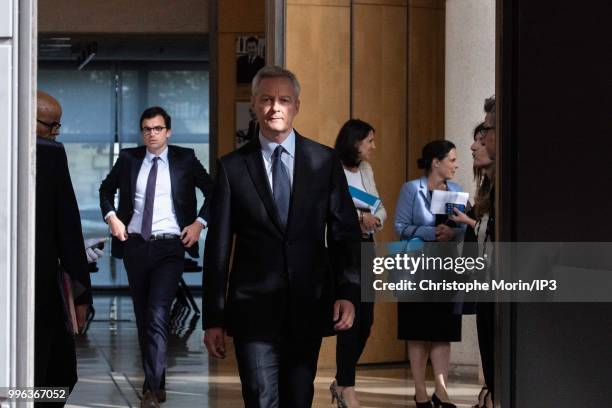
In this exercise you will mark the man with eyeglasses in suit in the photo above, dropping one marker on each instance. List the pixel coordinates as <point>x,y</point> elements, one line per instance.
<point>155,224</point>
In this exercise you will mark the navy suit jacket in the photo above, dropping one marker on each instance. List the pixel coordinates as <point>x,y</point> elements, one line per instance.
<point>283,280</point>
<point>186,174</point>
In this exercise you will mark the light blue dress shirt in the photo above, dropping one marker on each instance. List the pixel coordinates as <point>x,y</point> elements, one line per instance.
<point>288,156</point>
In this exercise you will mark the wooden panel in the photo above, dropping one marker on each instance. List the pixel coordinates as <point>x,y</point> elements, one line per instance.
<point>120,16</point>
<point>242,16</point>
<point>379,98</point>
<point>437,4</point>
<point>332,3</point>
<point>400,3</point>
<point>235,17</point>
<point>227,91</point>
<point>318,52</point>
<point>425,80</point>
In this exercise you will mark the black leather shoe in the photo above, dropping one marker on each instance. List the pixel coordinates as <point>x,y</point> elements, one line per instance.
<point>161,395</point>
<point>422,404</point>
<point>438,403</point>
<point>149,400</point>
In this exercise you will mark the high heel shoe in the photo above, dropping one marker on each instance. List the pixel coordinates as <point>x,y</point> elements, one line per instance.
<point>488,397</point>
<point>335,397</point>
<point>438,403</point>
<point>422,404</point>
<point>481,397</point>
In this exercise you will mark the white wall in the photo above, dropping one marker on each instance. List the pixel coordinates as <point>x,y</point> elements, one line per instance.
<point>17,190</point>
<point>470,78</point>
<point>6,92</point>
<point>470,73</point>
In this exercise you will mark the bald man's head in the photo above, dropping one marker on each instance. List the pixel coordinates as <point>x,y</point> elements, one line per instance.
<point>48,115</point>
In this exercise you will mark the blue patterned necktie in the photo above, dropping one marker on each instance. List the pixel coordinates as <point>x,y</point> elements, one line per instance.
<point>281,185</point>
<point>147,212</point>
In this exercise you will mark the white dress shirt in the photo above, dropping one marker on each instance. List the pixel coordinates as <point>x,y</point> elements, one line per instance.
<point>164,217</point>
<point>288,156</point>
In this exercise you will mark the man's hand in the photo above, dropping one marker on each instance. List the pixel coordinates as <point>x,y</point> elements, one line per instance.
<point>117,228</point>
<point>214,340</point>
<point>92,251</point>
<point>344,314</point>
<point>81,315</point>
<point>444,233</point>
<point>191,234</point>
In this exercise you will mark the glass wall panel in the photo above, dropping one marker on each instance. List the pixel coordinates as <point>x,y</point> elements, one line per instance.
<point>101,110</point>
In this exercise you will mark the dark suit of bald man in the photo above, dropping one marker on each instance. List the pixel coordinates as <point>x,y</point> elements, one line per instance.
<point>58,239</point>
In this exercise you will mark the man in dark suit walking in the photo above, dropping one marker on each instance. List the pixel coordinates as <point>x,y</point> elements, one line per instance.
<point>157,221</point>
<point>59,240</point>
<point>285,201</point>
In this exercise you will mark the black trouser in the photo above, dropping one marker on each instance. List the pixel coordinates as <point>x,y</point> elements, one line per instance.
<point>277,374</point>
<point>154,270</point>
<point>54,353</point>
<point>350,344</point>
<point>485,321</point>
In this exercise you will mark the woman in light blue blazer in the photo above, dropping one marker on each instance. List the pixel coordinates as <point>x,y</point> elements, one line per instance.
<point>429,327</point>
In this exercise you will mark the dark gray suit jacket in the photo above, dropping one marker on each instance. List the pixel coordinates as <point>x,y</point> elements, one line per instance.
<point>283,280</point>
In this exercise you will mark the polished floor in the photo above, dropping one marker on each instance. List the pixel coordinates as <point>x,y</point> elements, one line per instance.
<point>110,374</point>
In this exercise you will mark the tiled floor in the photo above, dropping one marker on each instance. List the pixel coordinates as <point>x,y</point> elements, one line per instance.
<point>110,374</point>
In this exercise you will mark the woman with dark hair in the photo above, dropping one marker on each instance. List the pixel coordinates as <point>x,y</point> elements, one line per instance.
<point>355,144</point>
<point>429,327</point>
<point>480,220</point>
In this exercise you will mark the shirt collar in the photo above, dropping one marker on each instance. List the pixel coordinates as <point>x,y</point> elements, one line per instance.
<point>163,156</point>
<point>267,147</point>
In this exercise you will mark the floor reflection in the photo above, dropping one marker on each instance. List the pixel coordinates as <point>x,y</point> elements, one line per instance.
<point>110,374</point>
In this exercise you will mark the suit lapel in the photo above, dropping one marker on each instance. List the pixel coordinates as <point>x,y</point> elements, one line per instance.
<point>256,168</point>
<point>173,172</point>
<point>135,169</point>
<point>423,190</point>
<point>301,174</point>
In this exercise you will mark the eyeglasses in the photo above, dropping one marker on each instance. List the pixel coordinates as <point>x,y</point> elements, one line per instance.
<point>53,126</point>
<point>485,130</point>
<point>153,130</point>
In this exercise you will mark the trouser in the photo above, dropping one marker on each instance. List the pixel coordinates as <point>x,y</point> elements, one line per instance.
<point>277,374</point>
<point>154,269</point>
<point>350,344</point>
<point>54,354</point>
<point>485,323</point>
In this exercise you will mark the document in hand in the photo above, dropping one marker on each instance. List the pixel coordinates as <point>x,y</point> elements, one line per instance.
<point>440,198</point>
<point>365,198</point>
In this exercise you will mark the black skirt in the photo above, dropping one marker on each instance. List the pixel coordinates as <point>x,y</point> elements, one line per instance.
<point>429,321</point>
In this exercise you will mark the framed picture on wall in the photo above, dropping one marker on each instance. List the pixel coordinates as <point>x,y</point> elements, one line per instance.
<point>246,124</point>
<point>250,57</point>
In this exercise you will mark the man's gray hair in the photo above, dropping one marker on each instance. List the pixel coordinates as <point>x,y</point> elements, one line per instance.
<point>489,107</point>
<point>274,71</point>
